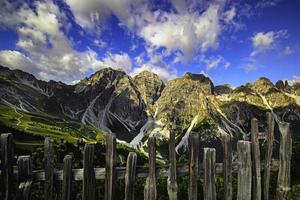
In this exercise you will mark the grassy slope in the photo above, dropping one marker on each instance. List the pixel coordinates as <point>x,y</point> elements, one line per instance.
<point>40,124</point>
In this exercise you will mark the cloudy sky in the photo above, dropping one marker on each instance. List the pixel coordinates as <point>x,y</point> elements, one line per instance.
<point>231,41</point>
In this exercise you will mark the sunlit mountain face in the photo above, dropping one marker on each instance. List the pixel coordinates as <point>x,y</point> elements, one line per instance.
<point>230,41</point>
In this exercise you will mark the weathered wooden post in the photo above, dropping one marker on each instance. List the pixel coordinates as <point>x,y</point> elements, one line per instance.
<point>209,166</point>
<point>227,166</point>
<point>256,166</point>
<point>244,170</point>
<point>89,182</point>
<point>193,166</point>
<point>67,178</point>
<point>7,165</point>
<point>172,184</point>
<point>25,177</point>
<point>49,169</point>
<point>268,155</point>
<point>150,192</point>
<point>285,154</point>
<point>130,176</point>
<point>110,164</point>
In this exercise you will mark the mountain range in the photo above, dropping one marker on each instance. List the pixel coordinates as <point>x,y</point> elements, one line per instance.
<point>132,108</point>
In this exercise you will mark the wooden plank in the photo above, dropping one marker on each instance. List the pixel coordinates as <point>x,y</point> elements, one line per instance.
<point>25,177</point>
<point>89,182</point>
<point>227,164</point>
<point>209,163</point>
<point>7,165</point>
<point>285,154</point>
<point>193,166</point>
<point>110,163</point>
<point>256,166</point>
<point>49,169</point>
<point>150,192</point>
<point>244,171</point>
<point>67,178</point>
<point>268,155</point>
<point>172,183</point>
<point>141,172</point>
<point>130,176</point>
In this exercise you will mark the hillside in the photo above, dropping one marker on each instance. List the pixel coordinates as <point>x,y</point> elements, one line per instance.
<point>132,108</point>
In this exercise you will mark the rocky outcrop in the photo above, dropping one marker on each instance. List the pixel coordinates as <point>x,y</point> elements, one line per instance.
<point>222,89</point>
<point>182,99</point>
<point>150,86</point>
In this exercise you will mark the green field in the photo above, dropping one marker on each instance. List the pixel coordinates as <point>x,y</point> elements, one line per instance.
<point>42,125</point>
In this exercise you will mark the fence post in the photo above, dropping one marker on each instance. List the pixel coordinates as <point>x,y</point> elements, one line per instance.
<point>268,156</point>
<point>227,166</point>
<point>49,169</point>
<point>193,166</point>
<point>67,178</point>
<point>285,154</point>
<point>244,171</point>
<point>110,173</point>
<point>89,182</point>
<point>172,184</point>
<point>130,176</point>
<point>25,177</point>
<point>256,167</point>
<point>209,166</point>
<point>7,165</point>
<point>150,192</point>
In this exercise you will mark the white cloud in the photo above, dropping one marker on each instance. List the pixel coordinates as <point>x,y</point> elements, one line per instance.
<point>100,43</point>
<point>118,61</point>
<point>263,41</point>
<point>187,30</point>
<point>91,14</point>
<point>154,62</point>
<point>226,65</point>
<point>287,51</point>
<point>214,62</point>
<point>16,60</point>
<point>250,64</point>
<point>49,52</point>
<point>189,33</point>
<point>229,15</point>
<point>267,3</point>
<point>139,60</point>
<point>294,80</point>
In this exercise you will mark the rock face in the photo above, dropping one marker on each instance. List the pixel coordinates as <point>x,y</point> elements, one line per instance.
<point>150,87</point>
<point>222,89</point>
<point>112,103</point>
<point>182,98</point>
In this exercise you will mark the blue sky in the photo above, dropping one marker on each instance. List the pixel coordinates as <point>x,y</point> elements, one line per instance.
<point>230,41</point>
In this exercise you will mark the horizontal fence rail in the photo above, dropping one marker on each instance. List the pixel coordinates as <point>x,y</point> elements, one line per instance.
<point>141,171</point>
<point>249,169</point>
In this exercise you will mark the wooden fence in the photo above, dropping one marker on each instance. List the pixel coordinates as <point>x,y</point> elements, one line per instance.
<point>253,174</point>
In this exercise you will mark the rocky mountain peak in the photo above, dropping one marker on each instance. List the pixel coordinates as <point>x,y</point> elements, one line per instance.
<point>197,77</point>
<point>147,73</point>
<point>150,86</point>
<point>262,85</point>
<point>222,89</point>
<point>16,74</point>
<point>106,74</point>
